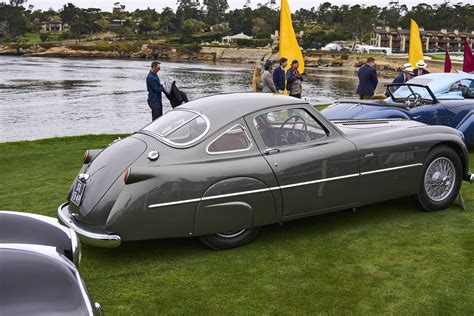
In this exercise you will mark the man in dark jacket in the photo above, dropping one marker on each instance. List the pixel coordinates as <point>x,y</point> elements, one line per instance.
<point>367,79</point>
<point>154,87</point>
<point>279,75</point>
<point>404,75</point>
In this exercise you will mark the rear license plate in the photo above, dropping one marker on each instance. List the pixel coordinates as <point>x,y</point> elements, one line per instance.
<point>78,192</point>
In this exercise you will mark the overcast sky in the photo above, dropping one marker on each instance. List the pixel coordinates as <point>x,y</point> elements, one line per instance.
<point>131,5</point>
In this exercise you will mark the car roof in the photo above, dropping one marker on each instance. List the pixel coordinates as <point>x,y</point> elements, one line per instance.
<point>439,82</point>
<point>224,108</point>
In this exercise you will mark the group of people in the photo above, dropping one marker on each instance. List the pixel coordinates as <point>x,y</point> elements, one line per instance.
<point>266,80</point>
<point>277,81</point>
<point>368,76</point>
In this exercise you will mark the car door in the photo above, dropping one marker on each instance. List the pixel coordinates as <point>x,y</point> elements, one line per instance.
<point>316,168</point>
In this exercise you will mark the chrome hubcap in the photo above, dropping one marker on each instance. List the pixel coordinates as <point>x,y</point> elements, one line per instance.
<point>231,234</point>
<point>439,179</point>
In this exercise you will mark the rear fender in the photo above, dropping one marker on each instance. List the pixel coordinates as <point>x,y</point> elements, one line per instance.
<point>233,204</point>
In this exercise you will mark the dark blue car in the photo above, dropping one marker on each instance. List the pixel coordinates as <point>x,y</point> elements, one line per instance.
<point>435,99</point>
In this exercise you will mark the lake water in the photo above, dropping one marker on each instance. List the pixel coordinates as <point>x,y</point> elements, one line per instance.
<point>48,97</point>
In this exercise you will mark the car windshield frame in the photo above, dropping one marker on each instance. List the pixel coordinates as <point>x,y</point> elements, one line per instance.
<point>433,99</point>
<point>190,143</point>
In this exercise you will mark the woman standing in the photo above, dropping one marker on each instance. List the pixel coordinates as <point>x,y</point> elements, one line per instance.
<point>268,84</point>
<point>257,81</point>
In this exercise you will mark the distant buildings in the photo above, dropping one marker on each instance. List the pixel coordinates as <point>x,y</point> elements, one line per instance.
<point>398,39</point>
<point>54,26</point>
<point>234,38</point>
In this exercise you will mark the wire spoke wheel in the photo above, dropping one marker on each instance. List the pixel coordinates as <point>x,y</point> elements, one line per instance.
<point>439,180</point>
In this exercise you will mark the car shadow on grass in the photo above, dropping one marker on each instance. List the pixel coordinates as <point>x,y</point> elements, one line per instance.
<point>400,212</point>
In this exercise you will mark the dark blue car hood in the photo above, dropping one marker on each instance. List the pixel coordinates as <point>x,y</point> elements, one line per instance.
<point>355,110</point>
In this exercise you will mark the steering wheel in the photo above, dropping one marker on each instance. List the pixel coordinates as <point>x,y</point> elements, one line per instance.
<point>292,137</point>
<point>414,99</point>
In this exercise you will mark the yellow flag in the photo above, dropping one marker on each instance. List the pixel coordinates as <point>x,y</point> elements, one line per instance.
<point>415,52</point>
<point>289,47</point>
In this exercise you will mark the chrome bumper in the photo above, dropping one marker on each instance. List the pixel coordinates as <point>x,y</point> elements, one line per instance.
<point>471,177</point>
<point>88,237</point>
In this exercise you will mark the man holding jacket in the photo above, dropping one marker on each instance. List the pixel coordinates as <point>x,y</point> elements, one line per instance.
<point>154,88</point>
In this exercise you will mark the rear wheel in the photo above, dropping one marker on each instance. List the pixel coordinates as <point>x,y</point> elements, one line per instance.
<point>441,180</point>
<point>232,239</point>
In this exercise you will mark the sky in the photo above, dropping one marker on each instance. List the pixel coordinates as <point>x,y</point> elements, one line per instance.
<point>131,5</point>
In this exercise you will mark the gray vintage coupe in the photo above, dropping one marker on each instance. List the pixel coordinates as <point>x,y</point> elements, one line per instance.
<point>221,167</point>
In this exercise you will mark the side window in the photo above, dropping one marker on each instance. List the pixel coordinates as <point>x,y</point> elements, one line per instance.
<point>234,139</point>
<point>288,127</point>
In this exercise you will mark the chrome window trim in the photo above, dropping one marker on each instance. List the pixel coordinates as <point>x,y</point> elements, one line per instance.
<point>180,145</point>
<point>282,186</point>
<point>230,151</point>
<point>321,125</point>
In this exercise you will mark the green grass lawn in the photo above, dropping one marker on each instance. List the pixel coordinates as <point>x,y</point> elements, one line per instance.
<point>441,56</point>
<point>387,258</point>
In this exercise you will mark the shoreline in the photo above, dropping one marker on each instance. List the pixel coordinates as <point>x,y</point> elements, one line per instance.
<point>146,51</point>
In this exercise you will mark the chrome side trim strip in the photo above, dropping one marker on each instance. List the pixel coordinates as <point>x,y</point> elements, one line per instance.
<point>318,181</point>
<point>175,203</point>
<point>391,169</point>
<point>213,197</point>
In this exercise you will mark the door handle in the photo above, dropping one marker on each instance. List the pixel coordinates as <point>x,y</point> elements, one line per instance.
<point>271,151</point>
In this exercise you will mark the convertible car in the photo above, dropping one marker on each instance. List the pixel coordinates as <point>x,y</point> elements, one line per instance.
<point>37,271</point>
<point>435,99</point>
<point>223,166</point>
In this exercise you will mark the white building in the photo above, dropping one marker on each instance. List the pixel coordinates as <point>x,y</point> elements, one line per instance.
<point>234,38</point>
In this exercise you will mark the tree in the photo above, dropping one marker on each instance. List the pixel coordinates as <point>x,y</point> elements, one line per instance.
<point>215,10</point>
<point>13,20</point>
<point>168,20</point>
<point>260,28</point>
<point>17,3</point>
<point>68,12</point>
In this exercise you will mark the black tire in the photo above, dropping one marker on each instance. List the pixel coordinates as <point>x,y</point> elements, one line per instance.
<point>230,240</point>
<point>445,190</point>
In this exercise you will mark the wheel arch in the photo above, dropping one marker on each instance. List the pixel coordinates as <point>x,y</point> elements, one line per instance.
<point>459,150</point>
<point>235,203</point>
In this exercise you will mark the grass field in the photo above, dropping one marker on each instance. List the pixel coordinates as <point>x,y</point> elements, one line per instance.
<point>387,258</point>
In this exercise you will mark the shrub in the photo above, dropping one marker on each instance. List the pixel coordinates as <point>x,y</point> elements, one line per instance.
<point>44,37</point>
<point>253,42</point>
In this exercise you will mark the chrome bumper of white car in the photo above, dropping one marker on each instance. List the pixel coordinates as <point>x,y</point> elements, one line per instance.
<point>86,236</point>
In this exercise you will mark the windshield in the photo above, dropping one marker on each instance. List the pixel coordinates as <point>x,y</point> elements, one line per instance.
<point>179,127</point>
<point>404,92</point>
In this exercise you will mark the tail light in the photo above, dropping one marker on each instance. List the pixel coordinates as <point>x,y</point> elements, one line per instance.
<point>85,156</point>
<point>125,176</point>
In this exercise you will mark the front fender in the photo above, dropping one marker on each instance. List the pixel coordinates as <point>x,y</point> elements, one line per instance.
<point>466,126</point>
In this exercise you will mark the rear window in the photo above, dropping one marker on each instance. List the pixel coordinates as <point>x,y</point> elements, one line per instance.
<point>179,127</point>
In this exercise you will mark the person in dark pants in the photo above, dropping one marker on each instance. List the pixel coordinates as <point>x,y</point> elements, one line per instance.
<point>279,76</point>
<point>294,80</point>
<point>154,87</point>
<point>367,79</point>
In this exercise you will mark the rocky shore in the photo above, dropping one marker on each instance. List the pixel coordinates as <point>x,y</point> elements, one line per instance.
<point>386,64</point>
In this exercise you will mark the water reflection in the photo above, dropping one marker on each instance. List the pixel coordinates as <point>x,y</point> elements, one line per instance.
<point>47,97</point>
